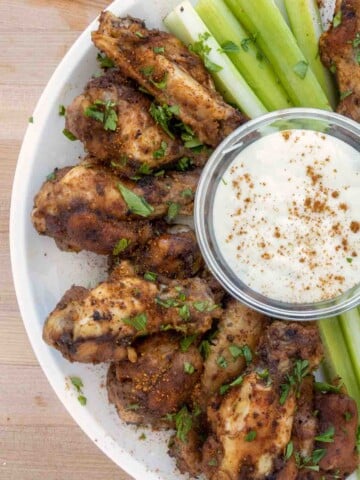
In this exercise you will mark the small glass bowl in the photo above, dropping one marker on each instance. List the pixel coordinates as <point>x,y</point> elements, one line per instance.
<point>296,118</point>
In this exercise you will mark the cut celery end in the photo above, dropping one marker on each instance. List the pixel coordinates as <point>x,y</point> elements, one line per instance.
<point>305,23</point>
<point>264,20</point>
<point>249,60</point>
<point>350,325</point>
<point>338,362</point>
<point>186,24</point>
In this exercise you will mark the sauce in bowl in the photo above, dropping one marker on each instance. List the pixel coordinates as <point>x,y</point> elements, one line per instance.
<point>286,216</point>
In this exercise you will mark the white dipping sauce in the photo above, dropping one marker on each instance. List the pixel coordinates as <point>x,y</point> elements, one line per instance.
<point>287,216</point>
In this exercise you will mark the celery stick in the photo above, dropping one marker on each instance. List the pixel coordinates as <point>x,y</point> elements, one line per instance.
<point>281,6</point>
<point>350,325</point>
<point>305,23</point>
<point>186,24</point>
<point>337,359</point>
<point>264,20</point>
<point>250,62</point>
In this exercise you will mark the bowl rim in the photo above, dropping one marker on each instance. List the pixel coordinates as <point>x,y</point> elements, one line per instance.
<point>270,307</point>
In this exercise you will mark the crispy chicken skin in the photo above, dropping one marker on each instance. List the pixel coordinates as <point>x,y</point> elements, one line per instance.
<point>97,325</point>
<point>137,137</point>
<point>238,326</point>
<point>83,208</point>
<point>339,48</point>
<point>176,76</point>
<point>156,383</point>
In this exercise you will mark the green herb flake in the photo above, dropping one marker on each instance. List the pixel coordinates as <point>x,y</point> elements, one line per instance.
<point>184,312</point>
<point>202,49</point>
<point>61,110</point>
<point>288,450</point>
<point>285,390</point>
<point>103,112</point>
<point>162,116</point>
<point>183,423</point>
<point>104,61</point>
<point>161,85</point>
<point>150,276</point>
<point>245,43</point>
<point>70,136</point>
<point>337,19</point>
<point>222,362</point>
<point>159,49</point>
<point>223,389</point>
<point>213,462</point>
<point>228,47</point>
<point>147,71</point>
<point>184,164</point>
<point>120,246</point>
<point>345,94</point>
<point>189,368</point>
<point>318,455</point>
<point>358,439</point>
<point>173,211</point>
<point>160,152</point>
<point>243,351</point>
<point>138,322</point>
<point>263,374</point>
<point>327,436</point>
<point>77,383</point>
<point>142,436</point>
<point>133,406</point>
<point>31,119</point>
<point>332,68</point>
<point>136,204</point>
<point>327,387</point>
<point>82,400</point>
<point>250,437</point>
<point>167,302</point>
<point>224,181</point>
<point>348,416</point>
<point>349,259</point>
<point>356,41</point>
<point>186,342</point>
<point>301,69</point>
<point>51,176</point>
<point>205,349</point>
<point>238,381</point>
<point>121,163</point>
<point>187,193</point>
<point>144,169</point>
<point>139,34</point>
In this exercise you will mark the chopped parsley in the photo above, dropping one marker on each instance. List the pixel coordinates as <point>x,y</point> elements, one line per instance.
<point>184,312</point>
<point>301,69</point>
<point>337,19</point>
<point>173,211</point>
<point>245,42</point>
<point>150,276</point>
<point>348,416</point>
<point>121,163</point>
<point>187,193</point>
<point>162,83</point>
<point>250,437</point>
<point>189,368</point>
<point>205,349</point>
<point>51,176</point>
<point>160,152</point>
<point>147,71</point>
<point>202,49</point>
<point>69,135</point>
<point>104,61</point>
<point>204,306</point>
<point>138,322</point>
<point>243,351</point>
<point>162,114</point>
<point>82,400</point>
<point>228,47</point>
<point>293,381</point>
<point>133,406</point>
<point>224,388</point>
<point>349,259</point>
<point>186,342</point>
<point>136,204</point>
<point>121,245</point>
<point>183,423</point>
<point>159,49</point>
<point>288,450</point>
<point>144,169</point>
<point>327,387</point>
<point>345,94</point>
<point>103,112</point>
<point>31,119</point>
<point>139,34</point>
<point>78,384</point>
<point>184,164</point>
<point>61,110</point>
<point>142,436</point>
<point>222,362</point>
<point>311,462</point>
<point>327,436</point>
<point>213,462</point>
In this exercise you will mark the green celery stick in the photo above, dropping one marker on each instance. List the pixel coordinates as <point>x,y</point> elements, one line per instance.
<point>248,59</point>
<point>350,325</point>
<point>263,19</point>
<point>305,23</point>
<point>186,24</point>
<point>337,356</point>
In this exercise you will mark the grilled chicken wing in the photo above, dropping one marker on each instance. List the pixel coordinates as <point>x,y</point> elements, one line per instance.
<point>145,390</point>
<point>252,425</point>
<point>173,75</point>
<point>83,209</point>
<point>239,326</point>
<point>97,325</point>
<point>339,48</point>
<point>138,142</point>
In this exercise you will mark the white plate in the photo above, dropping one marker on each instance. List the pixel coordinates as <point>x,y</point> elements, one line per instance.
<point>42,273</point>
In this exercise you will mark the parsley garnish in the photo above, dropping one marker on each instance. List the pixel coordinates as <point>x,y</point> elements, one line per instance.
<point>136,204</point>
<point>104,113</point>
<point>327,436</point>
<point>159,49</point>
<point>51,176</point>
<point>183,423</point>
<point>301,369</point>
<point>224,388</point>
<point>162,84</point>
<point>78,384</point>
<point>221,361</point>
<point>345,94</point>
<point>173,211</point>
<point>311,462</point>
<point>186,342</point>
<point>121,245</point>
<point>229,47</point>
<point>162,116</point>
<point>189,368</point>
<point>337,19</point>
<point>187,193</point>
<point>204,306</point>
<point>138,322</point>
<point>121,163</point>
<point>142,436</point>
<point>31,120</point>
<point>250,437</point>
<point>203,50</point>
<point>133,406</point>
<point>245,42</point>
<point>139,34</point>
<point>184,164</point>
<point>184,312</point>
<point>104,61</point>
<point>348,416</point>
<point>205,349</point>
<point>160,152</point>
<point>147,71</point>
<point>301,69</point>
<point>82,400</point>
<point>61,110</point>
<point>288,450</point>
<point>150,276</point>
<point>349,259</point>
<point>69,135</point>
<point>326,387</point>
<point>213,462</point>
<point>243,351</point>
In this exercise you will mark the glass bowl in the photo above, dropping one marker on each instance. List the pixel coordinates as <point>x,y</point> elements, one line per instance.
<point>296,118</point>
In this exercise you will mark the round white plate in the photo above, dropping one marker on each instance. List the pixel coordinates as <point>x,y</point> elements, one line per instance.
<point>42,273</point>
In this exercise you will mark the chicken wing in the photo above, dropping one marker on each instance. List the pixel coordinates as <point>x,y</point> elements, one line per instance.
<point>158,382</point>
<point>340,50</point>
<point>87,207</point>
<point>173,75</point>
<point>98,325</point>
<point>136,142</point>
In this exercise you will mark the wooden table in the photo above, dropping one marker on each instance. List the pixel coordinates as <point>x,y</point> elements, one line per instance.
<point>38,439</point>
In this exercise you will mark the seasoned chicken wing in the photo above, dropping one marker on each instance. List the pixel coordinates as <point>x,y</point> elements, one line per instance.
<point>157,382</point>
<point>339,48</point>
<point>136,142</point>
<point>98,325</point>
<point>87,207</point>
<point>173,75</point>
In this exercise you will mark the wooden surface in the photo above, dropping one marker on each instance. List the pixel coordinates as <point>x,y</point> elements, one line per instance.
<point>38,439</point>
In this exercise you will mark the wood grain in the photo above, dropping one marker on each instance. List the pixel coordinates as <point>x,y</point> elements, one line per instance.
<point>38,439</point>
